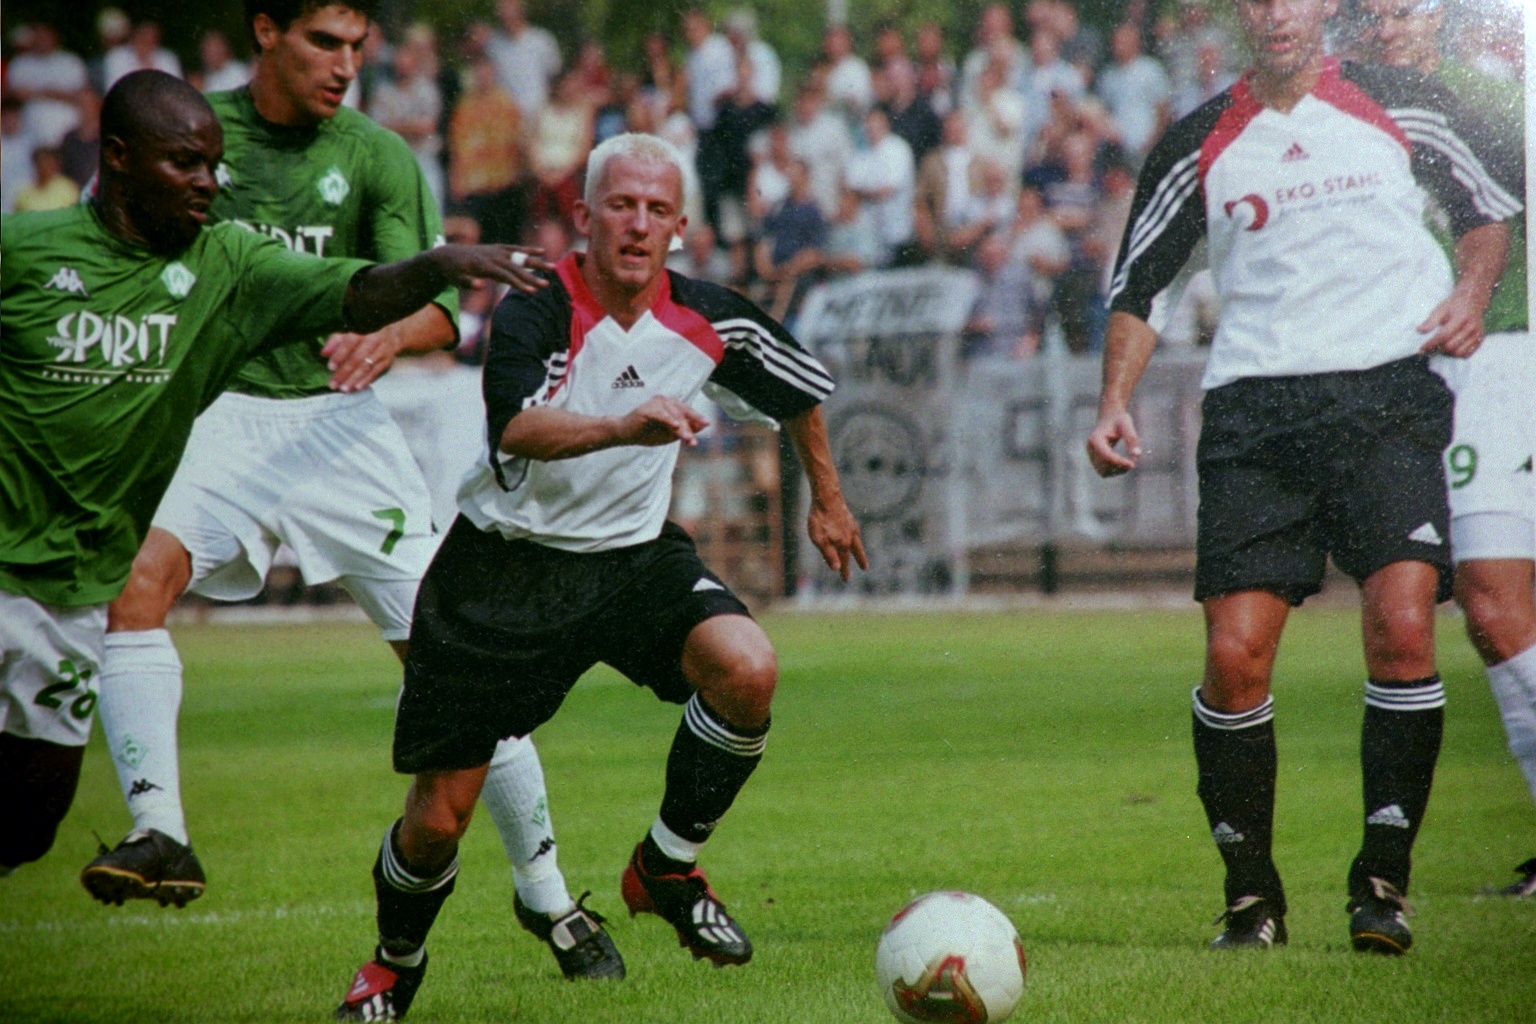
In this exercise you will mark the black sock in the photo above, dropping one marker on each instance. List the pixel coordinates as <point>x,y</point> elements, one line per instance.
<point>656,862</point>
<point>1399,744</point>
<point>709,763</point>
<point>408,901</point>
<point>1235,755</point>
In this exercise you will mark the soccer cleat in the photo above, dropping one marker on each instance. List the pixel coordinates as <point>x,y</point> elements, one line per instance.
<point>581,947</point>
<point>688,904</point>
<point>381,990</point>
<point>1250,925</point>
<point>146,865</point>
<point>1378,922</point>
<point>1527,884</point>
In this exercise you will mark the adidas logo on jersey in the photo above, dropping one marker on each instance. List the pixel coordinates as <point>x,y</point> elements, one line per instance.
<point>67,279</point>
<point>1295,153</point>
<point>1226,835</point>
<point>629,379</point>
<point>1391,815</point>
<point>1427,534</point>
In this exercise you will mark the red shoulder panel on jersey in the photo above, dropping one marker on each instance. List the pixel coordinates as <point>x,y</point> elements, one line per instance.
<point>1334,89</point>
<point>689,323</point>
<point>1230,125</point>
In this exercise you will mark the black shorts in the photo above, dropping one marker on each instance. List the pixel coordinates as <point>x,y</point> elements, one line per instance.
<point>1295,469</point>
<point>503,629</point>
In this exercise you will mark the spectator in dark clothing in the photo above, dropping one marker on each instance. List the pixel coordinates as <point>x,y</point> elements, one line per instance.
<point>911,116</point>
<point>724,162</point>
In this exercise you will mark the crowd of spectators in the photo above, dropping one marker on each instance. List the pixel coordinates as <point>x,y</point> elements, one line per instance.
<point>1013,153</point>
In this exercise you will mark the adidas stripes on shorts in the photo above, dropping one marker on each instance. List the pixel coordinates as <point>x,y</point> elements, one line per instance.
<point>504,629</point>
<point>1295,470</point>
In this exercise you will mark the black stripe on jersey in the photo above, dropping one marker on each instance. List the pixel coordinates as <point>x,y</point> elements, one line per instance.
<point>763,364</point>
<point>1167,216</point>
<point>1475,172</point>
<point>526,358</point>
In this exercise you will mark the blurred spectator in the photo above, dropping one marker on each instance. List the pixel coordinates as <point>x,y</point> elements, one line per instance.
<point>141,52</point>
<point>724,161</point>
<point>1017,265</point>
<point>1049,76</point>
<point>889,47</point>
<point>935,70</point>
<point>910,115</point>
<point>16,146</point>
<point>613,117</point>
<point>883,175</point>
<point>1136,90</point>
<point>944,181</point>
<point>997,115</point>
<point>852,244</point>
<point>485,167</point>
<point>791,244</point>
<point>554,237</point>
<point>411,106</point>
<point>822,140</point>
<point>557,150</point>
<point>80,149</point>
<point>1071,203</point>
<point>527,57</point>
<point>662,83</point>
<point>987,207</point>
<point>850,90</point>
<point>995,42</point>
<point>710,67</point>
<point>767,74</point>
<point>374,68</point>
<point>50,188</point>
<point>48,81</point>
<point>1101,241</point>
<point>1182,34</point>
<point>218,70</point>
<point>1211,79</point>
<point>1082,45</point>
<point>701,258</point>
<point>768,182</point>
<point>592,72</point>
<point>113,28</point>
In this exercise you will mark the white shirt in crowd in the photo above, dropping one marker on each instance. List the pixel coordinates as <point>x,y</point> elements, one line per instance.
<point>887,164</point>
<point>525,66</point>
<point>711,72</point>
<point>123,60</point>
<point>49,120</point>
<point>1134,92</point>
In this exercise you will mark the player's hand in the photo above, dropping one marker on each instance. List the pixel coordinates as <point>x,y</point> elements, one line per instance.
<point>1113,427</point>
<point>660,421</point>
<point>515,265</point>
<point>835,533</point>
<point>357,360</point>
<point>1455,326</point>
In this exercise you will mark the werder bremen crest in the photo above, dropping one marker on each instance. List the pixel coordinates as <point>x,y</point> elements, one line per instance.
<point>334,187</point>
<point>222,175</point>
<point>178,280</point>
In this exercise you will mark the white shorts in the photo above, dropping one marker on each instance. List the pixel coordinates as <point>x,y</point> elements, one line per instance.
<point>330,476</point>
<point>1491,463</point>
<point>50,667</point>
<point>442,414</point>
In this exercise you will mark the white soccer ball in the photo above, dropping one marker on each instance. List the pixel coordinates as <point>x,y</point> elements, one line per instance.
<point>950,957</point>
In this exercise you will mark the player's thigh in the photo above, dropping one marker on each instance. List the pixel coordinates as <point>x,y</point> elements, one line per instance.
<point>649,626</point>
<point>1491,460</point>
<point>496,645</point>
<point>50,659</point>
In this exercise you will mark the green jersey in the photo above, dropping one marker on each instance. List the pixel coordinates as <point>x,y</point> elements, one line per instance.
<point>1502,105</point>
<point>107,354</point>
<point>343,187</point>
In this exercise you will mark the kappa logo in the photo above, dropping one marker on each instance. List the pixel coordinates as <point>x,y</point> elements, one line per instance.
<point>1427,534</point>
<point>1251,207</point>
<point>630,378</point>
<point>334,187</point>
<point>1226,835</point>
<point>67,279</point>
<point>1390,815</point>
<point>142,786</point>
<point>1295,153</point>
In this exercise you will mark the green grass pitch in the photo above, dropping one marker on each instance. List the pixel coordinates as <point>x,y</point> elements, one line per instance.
<point>1040,759</point>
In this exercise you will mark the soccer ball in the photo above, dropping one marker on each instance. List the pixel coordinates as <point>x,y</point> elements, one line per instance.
<point>950,957</point>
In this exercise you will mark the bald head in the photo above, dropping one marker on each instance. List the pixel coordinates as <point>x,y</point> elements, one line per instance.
<point>151,104</point>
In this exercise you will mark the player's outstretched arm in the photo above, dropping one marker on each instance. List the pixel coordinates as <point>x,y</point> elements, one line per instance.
<point>357,360</point>
<point>1128,346</point>
<point>383,294</point>
<point>831,525</point>
<point>547,434</point>
<point>1455,326</point>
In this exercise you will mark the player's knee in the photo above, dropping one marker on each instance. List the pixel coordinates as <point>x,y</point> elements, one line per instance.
<point>1238,663</point>
<point>744,684</point>
<point>1401,633</point>
<point>153,586</point>
<point>1499,624</point>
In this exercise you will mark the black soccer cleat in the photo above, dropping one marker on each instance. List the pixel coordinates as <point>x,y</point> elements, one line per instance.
<point>581,947</point>
<point>689,905</point>
<point>1378,921</point>
<point>1250,924</point>
<point>1527,884</point>
<point>146,865</point>
<point>381,990</point>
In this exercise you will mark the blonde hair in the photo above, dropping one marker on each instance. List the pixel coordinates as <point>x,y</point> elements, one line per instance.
<point>637,146</point>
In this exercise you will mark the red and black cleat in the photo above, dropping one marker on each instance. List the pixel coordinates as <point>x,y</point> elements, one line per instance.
<point>688,904</point>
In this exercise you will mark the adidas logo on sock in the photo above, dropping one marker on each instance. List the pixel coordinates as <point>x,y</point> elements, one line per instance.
<point>1226,835</point>
<point>1427,534</point>
<point>629,379</point>
<point>1390,815</point>
<point>1295,153</point>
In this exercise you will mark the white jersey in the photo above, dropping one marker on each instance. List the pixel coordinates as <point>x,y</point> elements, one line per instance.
<point>1313,221</point>
<point>559,348</point>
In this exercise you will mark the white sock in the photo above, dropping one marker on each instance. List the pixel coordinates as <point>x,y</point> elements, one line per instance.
<point>1514,687</point>
<point>140,700</point>
<point>674,845</point>
<point>515,797</point>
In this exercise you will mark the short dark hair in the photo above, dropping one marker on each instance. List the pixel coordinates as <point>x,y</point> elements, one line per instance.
<point>284,12</point>
<point>143,102</point>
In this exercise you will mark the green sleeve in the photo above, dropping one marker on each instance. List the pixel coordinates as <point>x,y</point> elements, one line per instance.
<point>403,216</point>
<point>285,296</point>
